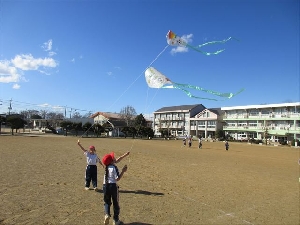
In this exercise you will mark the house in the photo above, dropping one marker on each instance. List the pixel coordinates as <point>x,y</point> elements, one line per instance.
<point>276,122</point>
<point>116,121</point>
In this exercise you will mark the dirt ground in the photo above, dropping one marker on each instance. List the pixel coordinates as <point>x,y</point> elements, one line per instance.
<point>42,182</point>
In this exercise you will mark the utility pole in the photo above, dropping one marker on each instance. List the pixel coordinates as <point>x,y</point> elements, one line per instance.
<point>9,108</point>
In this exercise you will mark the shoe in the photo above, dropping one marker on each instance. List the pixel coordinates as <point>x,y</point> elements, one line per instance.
<point>106,219</point>
<point>86,188</point>
<point>96,189</point>
<point>117,222</point>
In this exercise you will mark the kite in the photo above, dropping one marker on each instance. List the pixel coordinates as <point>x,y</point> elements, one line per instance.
<point>156,79</point>
<point>174,40</point>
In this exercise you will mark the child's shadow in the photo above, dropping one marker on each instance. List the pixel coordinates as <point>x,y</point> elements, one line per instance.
<point>141,192</point>
<point>136,223</point>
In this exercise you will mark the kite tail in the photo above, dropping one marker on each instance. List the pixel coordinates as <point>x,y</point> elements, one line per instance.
<point>196,48</point>
<point>217,42</point>
<point>223,95</point>
<point>192,96</point>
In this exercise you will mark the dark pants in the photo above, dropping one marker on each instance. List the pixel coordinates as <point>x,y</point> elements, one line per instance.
<point>91,175</point>
<point>111,195</point>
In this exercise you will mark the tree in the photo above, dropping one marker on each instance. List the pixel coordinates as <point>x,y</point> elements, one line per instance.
<point>128,114</point>
<point>36,116</point>
<point>43,114</point>
<point>220,134</point>
<point>54,116</point>
<point>125,130</point>
<point>15,122</point>
<point>148,131</point>
<point>98,129</point>
<point>77,127</point>
<point>76,115</point>
<point>2,121</point>
<point>266,134</point>
<point>132,131</point>
<point>25,114</point>
<point>86,127</point>
<point>140,121</point>
<point>66,125</point>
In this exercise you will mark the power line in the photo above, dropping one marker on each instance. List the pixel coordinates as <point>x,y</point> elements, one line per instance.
<point>26,105</point>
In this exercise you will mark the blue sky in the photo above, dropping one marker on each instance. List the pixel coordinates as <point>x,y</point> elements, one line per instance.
<point>92,55</point>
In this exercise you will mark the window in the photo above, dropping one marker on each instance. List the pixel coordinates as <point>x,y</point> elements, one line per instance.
<point>201,124</point>
<point>211,124</point>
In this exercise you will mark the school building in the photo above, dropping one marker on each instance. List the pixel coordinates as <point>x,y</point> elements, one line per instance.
<point>272,121</point>
<point>194,120</point>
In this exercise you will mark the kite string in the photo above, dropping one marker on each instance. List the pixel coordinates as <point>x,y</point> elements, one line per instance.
<point>138,77</point>
<point>131,86</point>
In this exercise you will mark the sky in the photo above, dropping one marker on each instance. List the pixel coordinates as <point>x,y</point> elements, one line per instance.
<point>88,56</point>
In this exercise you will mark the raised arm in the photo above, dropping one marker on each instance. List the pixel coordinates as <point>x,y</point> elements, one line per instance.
<point>121,157</point>
<point>82,148</point>
<point>122,173</point>
<point>101,162</point>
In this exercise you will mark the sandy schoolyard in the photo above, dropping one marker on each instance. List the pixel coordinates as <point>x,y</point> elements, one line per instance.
<point>42,182</point>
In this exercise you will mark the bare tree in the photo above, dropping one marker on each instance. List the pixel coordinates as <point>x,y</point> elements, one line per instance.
<point>128,114</point>
<point>43,114</point>
<point>76,115</point>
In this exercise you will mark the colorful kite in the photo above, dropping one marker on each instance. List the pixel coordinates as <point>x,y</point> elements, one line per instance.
<point>156,79</point>
<point>174,40</point>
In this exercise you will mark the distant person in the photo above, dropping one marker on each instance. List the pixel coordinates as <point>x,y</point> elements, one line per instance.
<point>200,143</point>
<point>184,142</point>
<point>226,145</point>
<point>110,187</point>
<point>190,142</point>
<point>91,169</point>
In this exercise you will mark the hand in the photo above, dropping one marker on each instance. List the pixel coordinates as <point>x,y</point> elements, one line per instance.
<point>124,168</point>
<point>127,153</point>
<point>78,142</point>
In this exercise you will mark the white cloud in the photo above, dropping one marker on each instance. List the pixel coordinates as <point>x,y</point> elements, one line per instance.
<point>45,105</point>
<point>188,39</point>
<point>16,86</point>
<point>109,73</point>
<point>72,60</point>
<point>11,71</point>
<point>8,73</point>
<point>51,53</point>
<point>58,108</point>
<point>47,46</point>
<point>27,62</point>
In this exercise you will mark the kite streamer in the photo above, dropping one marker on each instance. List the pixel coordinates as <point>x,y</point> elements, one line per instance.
<point>156,79</point>
<point>174,40</point>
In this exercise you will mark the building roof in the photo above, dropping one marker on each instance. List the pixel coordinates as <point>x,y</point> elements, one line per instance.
<point>217,111</point>
<point>179,108</point>
<point>294,104</point>
<point>108,115</point>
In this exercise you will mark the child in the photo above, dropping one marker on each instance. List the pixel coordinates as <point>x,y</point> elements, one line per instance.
<point>110,187</point>
<point>91,168</point>
<point>190,142</point>
<point>226,145</point>
<point>184,142</point>
<point>200,143</point>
